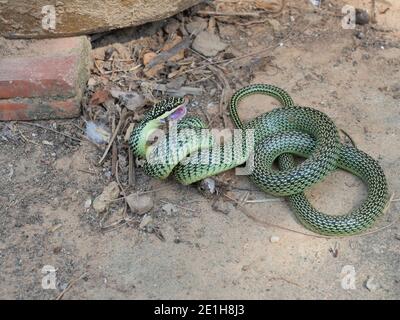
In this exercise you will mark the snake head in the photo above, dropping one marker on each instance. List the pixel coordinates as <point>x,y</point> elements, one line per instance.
<point>169,109</point>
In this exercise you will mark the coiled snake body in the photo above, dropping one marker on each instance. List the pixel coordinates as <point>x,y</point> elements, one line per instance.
<point>191,153</point>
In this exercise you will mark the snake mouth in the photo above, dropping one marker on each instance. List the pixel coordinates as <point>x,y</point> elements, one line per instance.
<point>179,112</point>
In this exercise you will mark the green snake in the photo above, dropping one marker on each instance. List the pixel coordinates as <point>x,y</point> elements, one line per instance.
<point>191,153</point>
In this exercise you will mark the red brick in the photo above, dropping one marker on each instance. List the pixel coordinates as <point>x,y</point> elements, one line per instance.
<point>37,109</point>
<point>46,81</point>
<point>28,77</point>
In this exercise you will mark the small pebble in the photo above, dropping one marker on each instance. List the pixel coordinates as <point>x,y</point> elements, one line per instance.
<point>47,143</point>
<point>208,44</point>
<point>371,285</point>
<point>207,187</point>
<point>223,206</point>
<point>92,82</point>
<point>111,192</point>
<point>169,208</point>
<point>360,35</point>
<point>362,16</point>
<point>63,286</point>
<point>274,239</point>
<point>146,222</point>
<point>140,204</point>
<point>88,203</point>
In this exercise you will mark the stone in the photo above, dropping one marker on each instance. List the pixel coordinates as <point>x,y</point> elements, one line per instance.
<point>208,44</point>
<point>44,81</point>
<point>88,203</point>
<point>275,24</point>
<point>146,223</point>
<point>196,25</point>
<point>223,206</point>
<point>274,239</point>
<point>111,192</point>
<point>43,18</point>
<point>131,100</point>
<point>207,187</point>
<point>362,16</point>
<point>140,204</point>
<point>371,284</point>
<point>169,208</point>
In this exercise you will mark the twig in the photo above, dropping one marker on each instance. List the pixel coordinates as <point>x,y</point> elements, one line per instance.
<point>246,213</point>
<point>26,139</point>
<point>122,190</point>
<point>49,129</point>
<point>255,53</point>
<point>140,193</point>
<point>182,91</point>
<point>349,137</point>
<point>226,92</point>
<point>69,286</point>
<point>228,13</point>
<point>122,70</point>
<point>115,133</point>
<point>78,127</point>
<point>286,280</point>
<point>249,23</point>
<point>92,142</point>
<point>115,225</point>
<point>124,220</point>
<point>86,171</point>
<point>114,152</point>
<point>373,11</point>
<point>263,200</point>
<point>178,206</point>
<point>131,169</point>
<point>244,198</point>
<point>165,55</point>
<point>154,190</point>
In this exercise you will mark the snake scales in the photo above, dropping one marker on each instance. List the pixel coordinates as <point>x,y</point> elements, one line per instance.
<point>191,153</point>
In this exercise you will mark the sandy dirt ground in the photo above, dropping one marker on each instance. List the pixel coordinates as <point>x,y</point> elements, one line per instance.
<point>351,75</point>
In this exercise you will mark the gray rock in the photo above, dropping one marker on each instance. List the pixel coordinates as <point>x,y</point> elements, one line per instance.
<point>224,207</point>
<point>169,208</point>
<point>362,16</point>
<point>207,187</point>
<point>146,222</point>
<point>140,204</point>
<point>371,284</point>
<point>111,192</point>
<point>196,26</point>
<point>88,203</point>
<point>208,44</point>
<point>24,17</point>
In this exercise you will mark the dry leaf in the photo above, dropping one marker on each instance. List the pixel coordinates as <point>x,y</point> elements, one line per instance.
<point>268,5</point>
<point>99,97</point>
